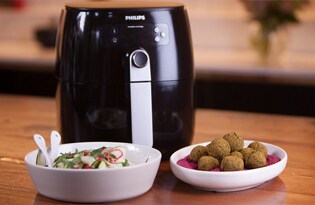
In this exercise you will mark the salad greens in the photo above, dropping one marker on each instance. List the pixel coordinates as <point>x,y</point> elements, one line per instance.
<point>101,158</point>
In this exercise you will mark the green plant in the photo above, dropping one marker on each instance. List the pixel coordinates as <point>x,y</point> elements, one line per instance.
<point>271,15</point>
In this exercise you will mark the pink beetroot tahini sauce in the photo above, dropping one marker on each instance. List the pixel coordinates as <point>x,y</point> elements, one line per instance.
<point>185,162</point>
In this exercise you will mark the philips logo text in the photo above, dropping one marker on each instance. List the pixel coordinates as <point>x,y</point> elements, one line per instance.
<point>135,18</point>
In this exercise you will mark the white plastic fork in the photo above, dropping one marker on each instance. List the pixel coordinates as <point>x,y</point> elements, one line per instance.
<point>40,141</point>
<point>55,140</point>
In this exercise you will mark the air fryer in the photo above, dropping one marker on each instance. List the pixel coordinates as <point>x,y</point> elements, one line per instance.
<point>125,73</point>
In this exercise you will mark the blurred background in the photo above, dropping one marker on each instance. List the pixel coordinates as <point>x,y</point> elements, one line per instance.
<point>235,68</point>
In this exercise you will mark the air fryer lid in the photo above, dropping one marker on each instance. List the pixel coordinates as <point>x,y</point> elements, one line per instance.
<point>96,37</point>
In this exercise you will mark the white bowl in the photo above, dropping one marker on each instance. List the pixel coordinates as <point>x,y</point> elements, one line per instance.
<point>228,181</point>
<point>98,185</point>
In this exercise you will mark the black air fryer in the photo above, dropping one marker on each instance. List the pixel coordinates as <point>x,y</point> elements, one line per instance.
<point>125,72</point>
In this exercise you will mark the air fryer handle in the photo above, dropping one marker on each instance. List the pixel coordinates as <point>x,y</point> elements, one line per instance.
<point>141,98</point>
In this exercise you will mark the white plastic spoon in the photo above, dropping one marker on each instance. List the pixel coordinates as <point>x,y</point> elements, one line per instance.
<point>55,140</point>
<point>40,141</point>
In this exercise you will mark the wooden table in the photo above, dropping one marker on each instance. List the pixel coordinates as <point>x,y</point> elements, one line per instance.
<point>21,117</point>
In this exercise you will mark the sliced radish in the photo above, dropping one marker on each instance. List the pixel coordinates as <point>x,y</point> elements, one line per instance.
<point>87,160</point>
<point>117,155</point>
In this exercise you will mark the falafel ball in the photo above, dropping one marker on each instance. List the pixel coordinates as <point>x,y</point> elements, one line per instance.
<point>246,152</point>
<point>198,152</point>
<point>207,163</point>
<point>232,163</point>
<point>256,160</point>
<point>219,148</point>
<point>259,147</point>
<point>235,140</point>
<point>237,154</point>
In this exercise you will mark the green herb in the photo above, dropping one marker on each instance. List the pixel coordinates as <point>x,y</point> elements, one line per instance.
<point>126,163</point>
<point>80,166</point>
<point>97,151</point>
<point>112,156</point>
<point>95,164</point>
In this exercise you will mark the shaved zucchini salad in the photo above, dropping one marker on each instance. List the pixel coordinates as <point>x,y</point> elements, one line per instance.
<point>101,158</point>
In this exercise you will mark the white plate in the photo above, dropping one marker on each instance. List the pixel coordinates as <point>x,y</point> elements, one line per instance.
<point>228,181</point>
<point>96,185</point>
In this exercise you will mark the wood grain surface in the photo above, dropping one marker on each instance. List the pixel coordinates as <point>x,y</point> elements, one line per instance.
<point>23,116</point>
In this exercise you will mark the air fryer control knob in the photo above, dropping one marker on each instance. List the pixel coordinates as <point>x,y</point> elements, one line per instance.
<point>140,59</point>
